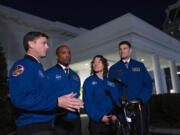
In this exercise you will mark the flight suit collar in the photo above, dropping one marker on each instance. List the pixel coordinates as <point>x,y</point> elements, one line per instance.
<point>27,56</point>
<point>58,65</point>
<point>128,61</point>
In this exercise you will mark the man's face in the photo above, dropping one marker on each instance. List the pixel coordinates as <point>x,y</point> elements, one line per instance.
<point>124,51</point>
<point>64,56</point>
<point>39,47</point>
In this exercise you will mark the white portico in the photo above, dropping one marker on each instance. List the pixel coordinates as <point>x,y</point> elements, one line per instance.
<point>151,46</point>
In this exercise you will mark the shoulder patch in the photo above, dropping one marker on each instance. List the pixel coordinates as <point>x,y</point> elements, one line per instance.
<point>75,78</point>
<point>18,70</point>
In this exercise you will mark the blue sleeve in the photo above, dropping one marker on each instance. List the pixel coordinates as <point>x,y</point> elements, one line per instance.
<point>116,94</point>
<point>146,90</point>
<point>25,93</point>
<point>51,78</point>
<point>110,73</point>
<point>78,88</point>
<point>89,104</point>
<point>117,89</point>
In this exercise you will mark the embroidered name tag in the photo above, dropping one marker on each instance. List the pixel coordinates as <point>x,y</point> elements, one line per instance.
<point>136,69</point>
<point>111,84</point>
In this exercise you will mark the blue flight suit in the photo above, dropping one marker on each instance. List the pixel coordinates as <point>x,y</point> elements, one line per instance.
<point>139,88</point>
<point>98,103</point>
<point>30,92</point>
<point>64,85</point>
<point>136,77</point>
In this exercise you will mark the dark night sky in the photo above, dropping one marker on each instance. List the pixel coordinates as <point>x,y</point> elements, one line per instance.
<point>90,14</point>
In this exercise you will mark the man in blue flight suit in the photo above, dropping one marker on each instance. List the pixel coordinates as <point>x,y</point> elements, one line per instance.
<point>65,81</point>
<point>31,92</point>
<point>135,75</point>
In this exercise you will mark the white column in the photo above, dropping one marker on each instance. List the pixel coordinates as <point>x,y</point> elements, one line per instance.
<point>164,81</point>
<point>174,77</point>
<point>157,74</point>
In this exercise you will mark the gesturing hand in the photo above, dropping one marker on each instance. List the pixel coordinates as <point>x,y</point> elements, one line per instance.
<point>69,102</point>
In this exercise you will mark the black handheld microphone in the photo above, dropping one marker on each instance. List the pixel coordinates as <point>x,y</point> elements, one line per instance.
<point>114,79</point>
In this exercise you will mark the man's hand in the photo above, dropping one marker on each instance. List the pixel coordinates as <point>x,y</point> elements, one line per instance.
<point>106,119</point>
<point>69,102</point>
<point>113,118</point>
<point>109,119</point>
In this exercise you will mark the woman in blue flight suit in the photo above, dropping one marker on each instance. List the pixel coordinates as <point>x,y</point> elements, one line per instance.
<point>100,96</point>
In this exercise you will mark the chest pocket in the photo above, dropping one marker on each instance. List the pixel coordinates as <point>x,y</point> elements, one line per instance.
<point>136,73</point>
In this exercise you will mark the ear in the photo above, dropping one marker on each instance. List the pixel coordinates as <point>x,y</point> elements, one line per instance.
<point>31,44</point>
<point>56,57</point>
<point>130,50</point>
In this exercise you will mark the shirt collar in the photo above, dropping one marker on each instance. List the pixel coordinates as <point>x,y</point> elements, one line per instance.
<point>126,61</point>
<point>28,56</point>
<point>63,67</point>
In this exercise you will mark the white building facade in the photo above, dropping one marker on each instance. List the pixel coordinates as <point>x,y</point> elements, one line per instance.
<point>15,24</point>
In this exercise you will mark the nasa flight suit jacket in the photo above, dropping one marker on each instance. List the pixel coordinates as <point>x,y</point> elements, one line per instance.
<point>31,92</point>
<point>100,97</point>
<point>64,84</point>
<point>136,77</point>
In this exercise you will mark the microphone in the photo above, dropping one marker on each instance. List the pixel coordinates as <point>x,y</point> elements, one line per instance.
<point>116,110</point>
<point>114,79</point>
<point>108,92</point>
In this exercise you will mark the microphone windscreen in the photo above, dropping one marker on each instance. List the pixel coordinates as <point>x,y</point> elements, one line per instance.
<point>108,93</point>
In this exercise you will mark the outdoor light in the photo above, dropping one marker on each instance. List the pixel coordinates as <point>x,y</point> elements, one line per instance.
<point>172,91</point>
<point>142,60</point>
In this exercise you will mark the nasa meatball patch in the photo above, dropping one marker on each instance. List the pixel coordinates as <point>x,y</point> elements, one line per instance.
<point>58,76</point>
<point>18,70</point>
<point>94,83</point>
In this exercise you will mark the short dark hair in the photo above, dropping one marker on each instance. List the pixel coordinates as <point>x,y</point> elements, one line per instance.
<point>104,62</point>
<point>31,36</point>
<point>57,50</point>
<point>125,42</point>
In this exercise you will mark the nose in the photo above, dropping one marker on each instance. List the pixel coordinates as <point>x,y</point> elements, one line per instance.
<point>67,55</point>
<point>95,64</point>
